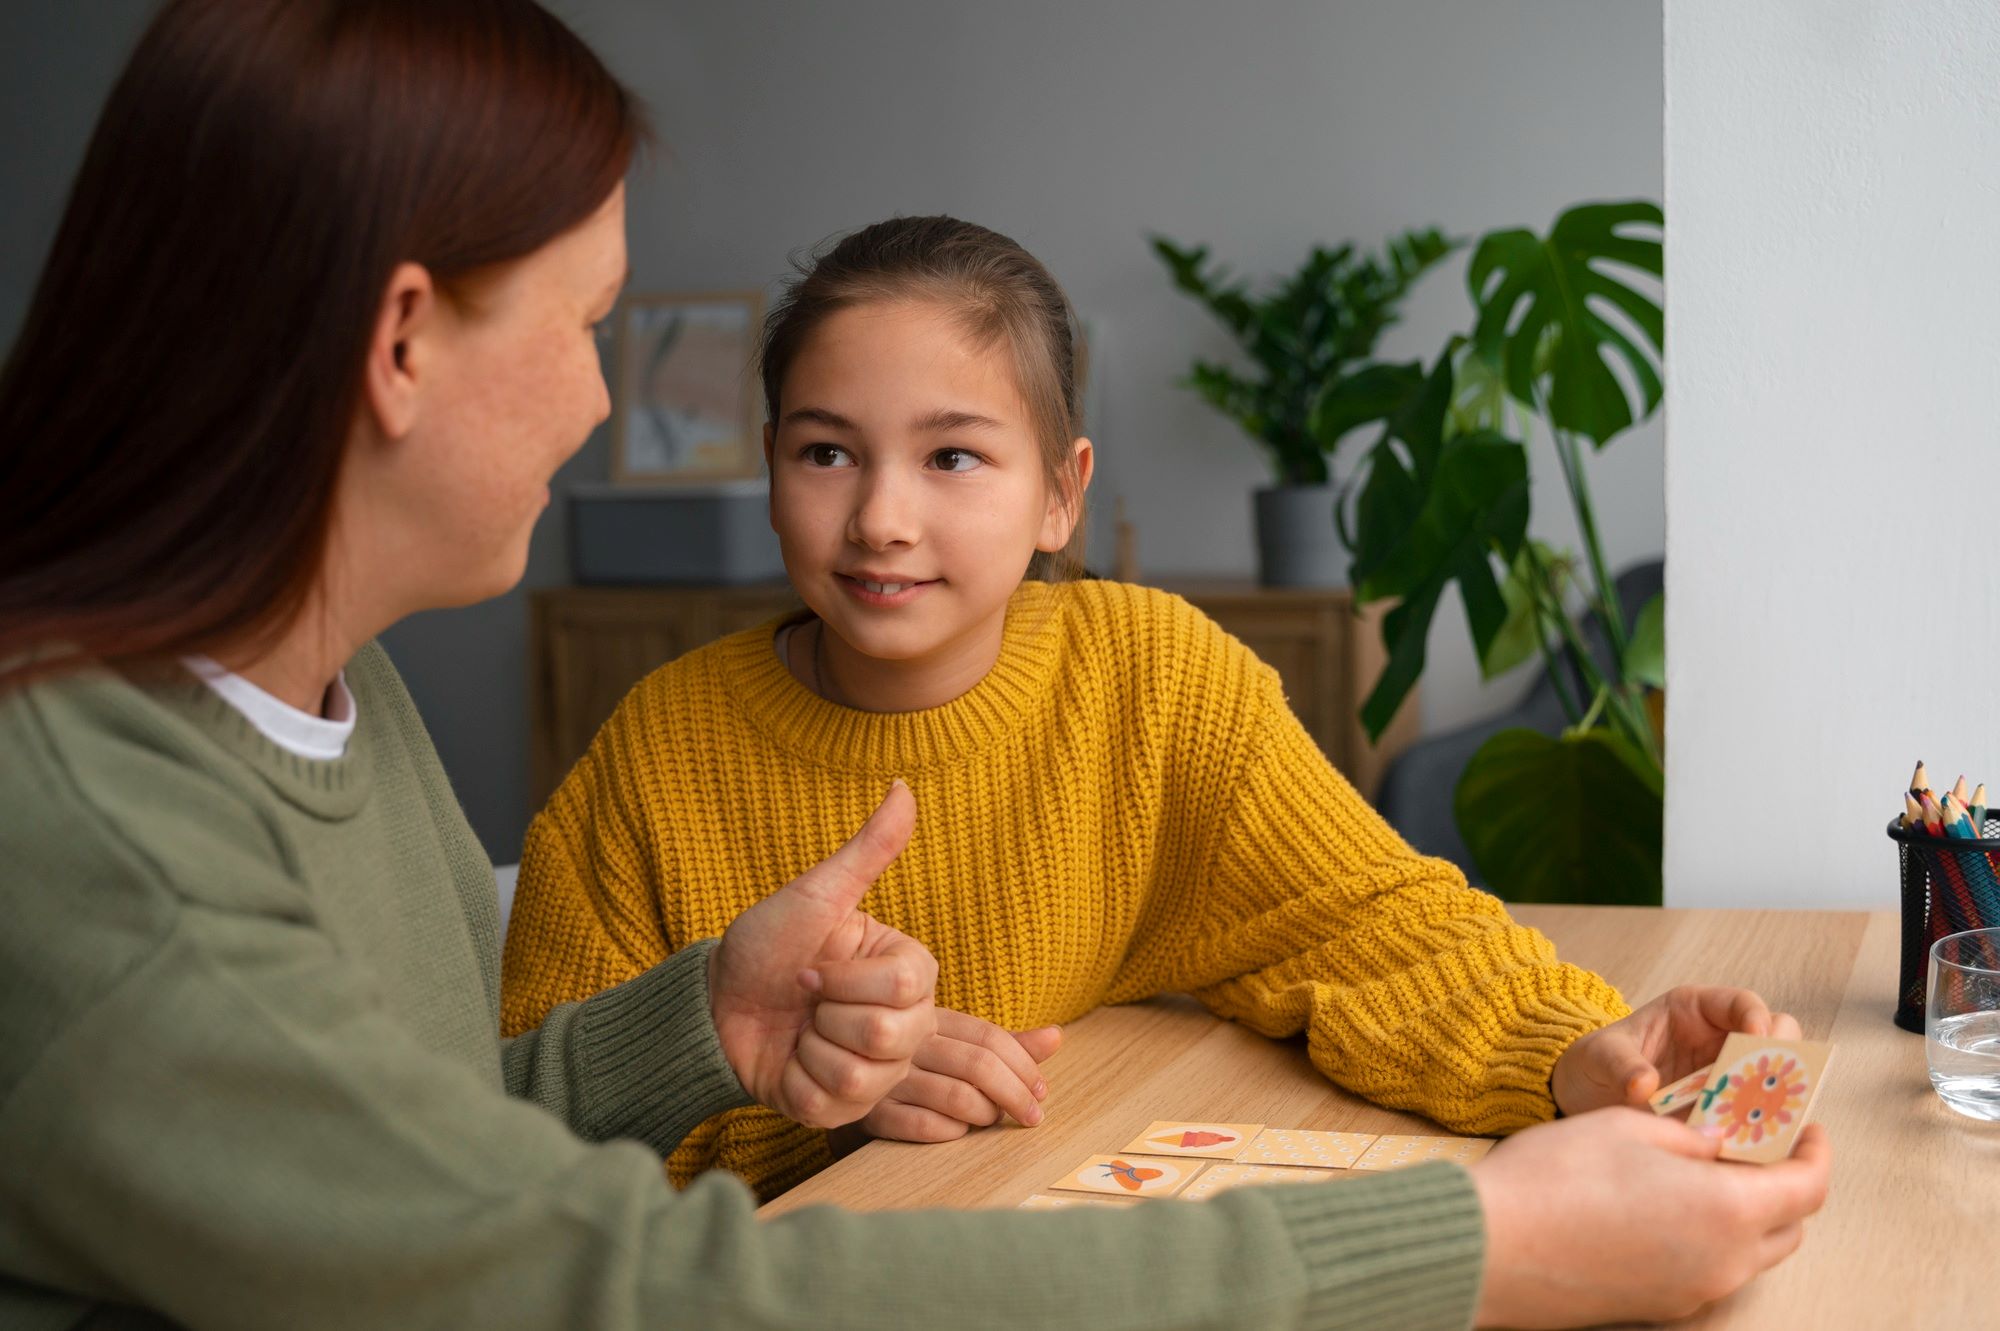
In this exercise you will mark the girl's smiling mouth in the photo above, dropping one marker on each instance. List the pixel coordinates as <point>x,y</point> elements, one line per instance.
<point>884,592</point>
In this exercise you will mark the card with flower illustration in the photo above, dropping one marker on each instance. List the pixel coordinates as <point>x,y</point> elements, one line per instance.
<point>1215,1141</point>
<point>1672,1099</point>
<point>1759,1093</point>
<point>1306,1149</point>
<point>1217,1179</point>
<point>1127,1176</point>
<point>1394,1151</point>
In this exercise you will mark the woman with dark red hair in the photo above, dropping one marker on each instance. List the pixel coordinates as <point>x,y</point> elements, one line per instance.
<point>313,335</point>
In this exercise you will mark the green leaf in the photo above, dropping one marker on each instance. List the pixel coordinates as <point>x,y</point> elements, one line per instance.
<point>1535,299</point>
<point>1520,637</point>
<point>1646,654</point>
<point>1475,505</point>
<point>1372,393</point>
<point>1575,819</point>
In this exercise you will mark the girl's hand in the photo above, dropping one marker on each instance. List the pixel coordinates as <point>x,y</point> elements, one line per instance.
<point>1679,1032</point>
<point>966,1076</point>
<point>819,1007</point>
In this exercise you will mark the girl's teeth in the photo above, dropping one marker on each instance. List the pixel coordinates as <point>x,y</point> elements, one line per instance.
<point>887,588</point>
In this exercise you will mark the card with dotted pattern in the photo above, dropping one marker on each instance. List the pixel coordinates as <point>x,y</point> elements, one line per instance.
<point>1307,1149</point>
<point>1221,1178</point>
<point>1400,1152</point>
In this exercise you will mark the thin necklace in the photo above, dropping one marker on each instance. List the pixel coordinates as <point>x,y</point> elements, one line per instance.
<point>819,655</point>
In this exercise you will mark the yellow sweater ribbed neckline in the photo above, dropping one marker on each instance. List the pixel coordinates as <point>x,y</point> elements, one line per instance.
<point>801,722</point>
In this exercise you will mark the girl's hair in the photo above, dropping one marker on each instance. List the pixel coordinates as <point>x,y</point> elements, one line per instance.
<point>998,292</point>
<point>174,410</point>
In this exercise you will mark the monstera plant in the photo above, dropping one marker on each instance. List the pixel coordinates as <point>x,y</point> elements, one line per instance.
<point>1444,501</point>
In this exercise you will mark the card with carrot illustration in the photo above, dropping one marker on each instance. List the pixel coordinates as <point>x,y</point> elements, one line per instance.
<point>1760,1093</point>
<point>1215,1141</point>
<point>1678,1096</point>
<point>1127,1176</point>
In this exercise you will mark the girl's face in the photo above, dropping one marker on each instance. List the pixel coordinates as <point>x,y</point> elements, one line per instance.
<point>907,486</point>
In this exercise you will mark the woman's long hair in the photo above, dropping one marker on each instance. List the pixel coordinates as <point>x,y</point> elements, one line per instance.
<point>173,413</point>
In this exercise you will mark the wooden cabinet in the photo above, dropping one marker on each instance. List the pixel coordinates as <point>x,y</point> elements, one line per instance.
<point>589,645</point>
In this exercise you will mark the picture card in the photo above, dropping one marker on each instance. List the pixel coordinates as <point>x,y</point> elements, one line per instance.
<point>1127,1176</point>
<point>1043,1201</point>
<point>1217,1179</point>
<point>1400,1152</point>
<point>1760,1094</point>
<point>1678,1096</point>
<point>1214,1141</point>
<point>1307,1149</point>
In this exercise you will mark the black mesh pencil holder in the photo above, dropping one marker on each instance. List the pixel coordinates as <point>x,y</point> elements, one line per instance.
<point>1949,885</point>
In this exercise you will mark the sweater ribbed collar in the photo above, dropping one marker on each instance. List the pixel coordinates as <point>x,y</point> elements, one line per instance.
<point>1013,692</point>
<point>332,789</point>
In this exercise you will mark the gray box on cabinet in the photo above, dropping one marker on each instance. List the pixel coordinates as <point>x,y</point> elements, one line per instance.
<point>718,533</point>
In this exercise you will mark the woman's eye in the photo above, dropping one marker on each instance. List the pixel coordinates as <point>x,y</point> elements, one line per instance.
<point>955,459</point>
<point>824,455</point>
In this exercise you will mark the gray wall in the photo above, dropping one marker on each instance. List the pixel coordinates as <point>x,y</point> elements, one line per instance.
<point>1076,127</point>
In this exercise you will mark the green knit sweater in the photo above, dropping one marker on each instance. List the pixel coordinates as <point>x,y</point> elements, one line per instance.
<point>250,1076</point>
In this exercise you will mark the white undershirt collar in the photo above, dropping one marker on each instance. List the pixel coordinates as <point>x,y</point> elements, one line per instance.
<point>319,738</point>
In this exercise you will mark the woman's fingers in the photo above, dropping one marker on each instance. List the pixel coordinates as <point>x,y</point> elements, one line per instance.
<point>902,974</point>
<point>874,1031</point>
<point>825,1085</point>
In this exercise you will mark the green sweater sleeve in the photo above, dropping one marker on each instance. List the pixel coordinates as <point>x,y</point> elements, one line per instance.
<point>640,1060</point>
<point>235,1104</point>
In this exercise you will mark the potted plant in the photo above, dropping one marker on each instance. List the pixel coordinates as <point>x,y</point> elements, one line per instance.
<point>1445,500</point>
<point>1310,338</point>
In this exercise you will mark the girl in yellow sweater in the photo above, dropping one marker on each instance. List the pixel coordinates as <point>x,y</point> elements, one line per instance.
<point>1114,800</point>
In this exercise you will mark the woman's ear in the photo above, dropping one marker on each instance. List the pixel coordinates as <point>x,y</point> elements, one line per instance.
<point>1066,504</point>
<point>400,354</point>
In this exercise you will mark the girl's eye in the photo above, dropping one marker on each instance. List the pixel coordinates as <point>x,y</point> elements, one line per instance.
<point>955,459</point>
<point>824,455</point>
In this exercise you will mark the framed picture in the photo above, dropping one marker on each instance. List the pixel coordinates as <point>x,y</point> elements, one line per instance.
<point>687,408</point>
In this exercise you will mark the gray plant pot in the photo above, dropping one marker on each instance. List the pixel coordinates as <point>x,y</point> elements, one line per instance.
<point>1296,542</point>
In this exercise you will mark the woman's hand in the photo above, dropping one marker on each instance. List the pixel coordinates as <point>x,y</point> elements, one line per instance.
<point>1621,1215</point>
<point>818,1007</point>
<point>1679,1032</point>
<point>966,1076</point>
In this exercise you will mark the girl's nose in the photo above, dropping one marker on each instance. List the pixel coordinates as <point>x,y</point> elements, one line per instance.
<point>886,514</point>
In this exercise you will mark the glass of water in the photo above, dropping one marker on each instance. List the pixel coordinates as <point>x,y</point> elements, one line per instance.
<point>1962,1021</point>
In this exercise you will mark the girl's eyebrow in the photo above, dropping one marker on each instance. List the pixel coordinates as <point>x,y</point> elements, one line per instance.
<point>817,416</point>
<point>944,420</point>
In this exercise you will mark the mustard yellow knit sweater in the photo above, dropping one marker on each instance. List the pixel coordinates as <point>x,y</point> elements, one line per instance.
<point>1125,806</point>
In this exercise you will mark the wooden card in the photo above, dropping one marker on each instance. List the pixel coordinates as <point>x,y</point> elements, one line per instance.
<point>1214,1141</point>
<point>1217,1179</point>
<point>1760,1094</point>
<point>1042,1201</point>
<point>1400,1152</point>
<point>1307,1149</point>
<point>1672,1099</point>
<point>1128,1176</point>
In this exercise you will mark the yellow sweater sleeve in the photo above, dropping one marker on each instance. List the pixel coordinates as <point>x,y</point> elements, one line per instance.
<point>586,917</point>
<point>1308,913</point>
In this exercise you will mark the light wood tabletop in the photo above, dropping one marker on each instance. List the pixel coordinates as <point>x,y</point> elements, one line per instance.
<point>1906,1232</point>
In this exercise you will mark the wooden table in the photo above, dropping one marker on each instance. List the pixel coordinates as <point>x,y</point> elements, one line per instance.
<point>1906,1237</point>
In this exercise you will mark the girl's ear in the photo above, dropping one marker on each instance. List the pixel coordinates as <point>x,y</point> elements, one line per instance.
<point>770,477</point>
<point>1066,504</point>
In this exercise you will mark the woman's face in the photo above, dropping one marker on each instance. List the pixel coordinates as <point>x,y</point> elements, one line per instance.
<point>907,486</point>
<point>508,387</point>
